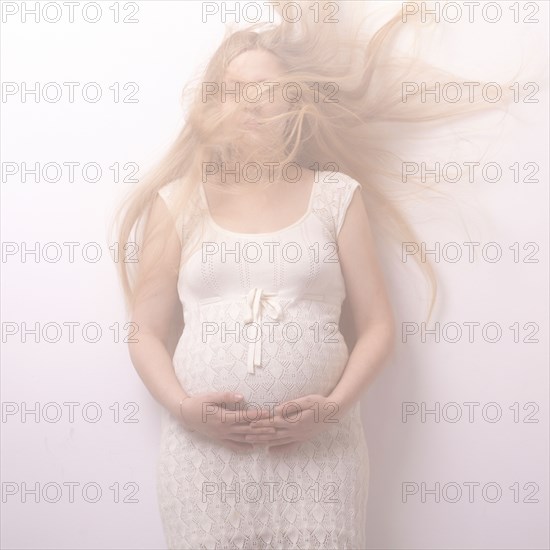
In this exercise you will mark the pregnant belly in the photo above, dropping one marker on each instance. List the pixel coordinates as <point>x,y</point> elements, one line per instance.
<point>289,368</point>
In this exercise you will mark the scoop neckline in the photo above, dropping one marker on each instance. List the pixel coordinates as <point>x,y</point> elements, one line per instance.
<point>291,226</point>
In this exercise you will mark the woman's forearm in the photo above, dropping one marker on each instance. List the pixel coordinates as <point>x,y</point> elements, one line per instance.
<point>366,358</point>
<point>154,366</point>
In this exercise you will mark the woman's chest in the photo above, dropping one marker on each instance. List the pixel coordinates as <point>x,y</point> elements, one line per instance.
<point>291,263</point>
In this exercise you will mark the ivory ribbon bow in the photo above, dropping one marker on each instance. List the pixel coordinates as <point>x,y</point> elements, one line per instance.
<point>255,299</point>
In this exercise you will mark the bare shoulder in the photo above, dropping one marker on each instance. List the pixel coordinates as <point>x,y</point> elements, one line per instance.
<point>308,177</point>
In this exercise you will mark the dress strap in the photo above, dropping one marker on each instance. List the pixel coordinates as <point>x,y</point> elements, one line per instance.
<point>335,191</point>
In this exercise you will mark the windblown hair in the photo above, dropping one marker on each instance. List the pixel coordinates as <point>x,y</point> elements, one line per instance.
<point>346,114</point>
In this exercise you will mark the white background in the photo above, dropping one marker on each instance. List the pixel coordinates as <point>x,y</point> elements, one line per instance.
<point>160,53</point>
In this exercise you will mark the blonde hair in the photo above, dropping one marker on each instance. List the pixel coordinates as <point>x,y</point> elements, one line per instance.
<point>355,135</point>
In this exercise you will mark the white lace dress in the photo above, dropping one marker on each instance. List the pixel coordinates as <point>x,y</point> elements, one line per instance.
<point>289,285</point>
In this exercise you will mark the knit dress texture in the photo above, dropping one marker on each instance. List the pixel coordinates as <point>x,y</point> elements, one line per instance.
<point>261,315</point>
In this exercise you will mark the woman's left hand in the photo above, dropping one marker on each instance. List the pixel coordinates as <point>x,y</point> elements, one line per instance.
<point>295,421</point>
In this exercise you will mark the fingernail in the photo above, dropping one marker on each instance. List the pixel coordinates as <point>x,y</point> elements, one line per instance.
<point>238,396</point>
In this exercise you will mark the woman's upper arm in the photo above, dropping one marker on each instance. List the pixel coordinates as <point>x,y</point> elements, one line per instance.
<point>156,297</point>
<point>365,287</point>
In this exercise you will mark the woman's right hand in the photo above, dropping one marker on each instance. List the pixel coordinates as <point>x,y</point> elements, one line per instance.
<point>217,415</point>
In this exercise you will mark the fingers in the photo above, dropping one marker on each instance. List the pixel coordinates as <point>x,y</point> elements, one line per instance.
<point>290,409</point>
<point>248,430</point>
<point>277,424</point>
<point>286,420</point>
<point>257,438</point>
<point>242,438</point>
<point>223,398</point>
<point>236,446</point>
<point>281,442</point>
<point>278,436</point>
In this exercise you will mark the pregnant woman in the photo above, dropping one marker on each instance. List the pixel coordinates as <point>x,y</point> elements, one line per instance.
<point>248,251</point>
<point>297,478</point>
<point>287,467</point>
